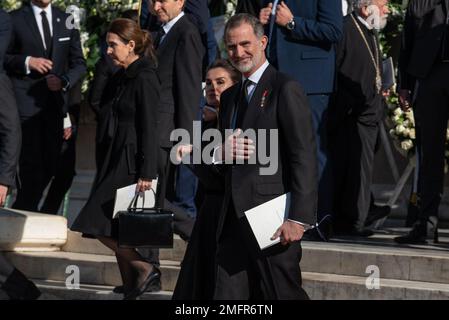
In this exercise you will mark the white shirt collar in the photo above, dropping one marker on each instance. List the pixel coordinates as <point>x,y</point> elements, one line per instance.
<point>172,22</point>
<point>364,22</point>
<point>255,77</point>
<point>37,11</point>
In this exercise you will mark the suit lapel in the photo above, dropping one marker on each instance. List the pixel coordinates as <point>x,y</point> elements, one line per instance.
<point>170,34</point>
<point>30,19</point>
<point>56,31</point>
<point>258,100</point>
<point>230,107</point>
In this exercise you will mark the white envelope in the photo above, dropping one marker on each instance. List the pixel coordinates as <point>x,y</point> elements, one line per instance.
<point>125,195</point>
<point>266,218</point>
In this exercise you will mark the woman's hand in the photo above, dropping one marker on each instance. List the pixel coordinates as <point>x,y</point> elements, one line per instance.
<point>143,185</point>
<point>182,151</point>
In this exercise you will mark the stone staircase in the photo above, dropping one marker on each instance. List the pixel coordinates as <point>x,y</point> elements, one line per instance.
<point>43,248</point>
<point>331,271</point>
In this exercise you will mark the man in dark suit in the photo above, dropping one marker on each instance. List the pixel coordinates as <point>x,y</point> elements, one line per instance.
<point>265,99</point>
<point>65,171</point>
<point>302,37</point>
<point>12,281</point>
<point>180,55</point>
<point>44,61</point>
<point>424,74</point>
<point>182,183</point>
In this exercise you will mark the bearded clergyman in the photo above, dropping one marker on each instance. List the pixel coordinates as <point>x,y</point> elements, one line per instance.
<point>355,114</point>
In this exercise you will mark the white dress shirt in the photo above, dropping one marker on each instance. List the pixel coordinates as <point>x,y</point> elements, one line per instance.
<point>167,26</point>
<point>37,15</point>
<point>255,78</point>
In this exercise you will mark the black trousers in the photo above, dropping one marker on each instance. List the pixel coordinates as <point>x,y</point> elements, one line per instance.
<point>41,145</point>
<point>353,150</point>
<point>63,178</point>
<point>244,272</point>
<point>431,115</point>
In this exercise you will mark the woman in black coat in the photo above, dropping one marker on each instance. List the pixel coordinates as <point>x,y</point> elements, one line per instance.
<point>132,154</point>
<point>196,279</point>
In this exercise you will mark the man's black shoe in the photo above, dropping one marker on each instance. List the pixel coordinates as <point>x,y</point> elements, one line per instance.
<point>377,213</point>
<point>421,232</point>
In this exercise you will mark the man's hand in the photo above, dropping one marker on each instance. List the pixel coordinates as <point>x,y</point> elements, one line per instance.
<point>289,232</point>
<point>67,133</point>
<point>283,14</point>
<point>236,148</point>
<point>3,194</point>
<point>265,14</point>
<point>143,185</point>
<point>40,65</point>
<point>386,93</point>
<point>54,83</point>
<point>404,99</point>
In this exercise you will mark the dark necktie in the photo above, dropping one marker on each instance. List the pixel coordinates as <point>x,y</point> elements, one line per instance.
<point>159,35</point>
<point>242,105</point>
<point>47,34</point>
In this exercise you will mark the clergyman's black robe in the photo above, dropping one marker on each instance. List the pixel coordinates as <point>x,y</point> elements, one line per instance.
<point>353,118</point>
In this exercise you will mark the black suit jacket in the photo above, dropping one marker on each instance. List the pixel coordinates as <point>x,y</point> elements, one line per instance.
<point>285,109</point>
<point>424,28</point>
<point>252,7</point>
<point>180,57</point>
<point>10,134</point>
<point>31,90</point>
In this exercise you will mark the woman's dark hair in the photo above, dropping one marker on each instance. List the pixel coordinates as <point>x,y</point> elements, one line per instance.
<point>236,76</point>
<point>129,30</point>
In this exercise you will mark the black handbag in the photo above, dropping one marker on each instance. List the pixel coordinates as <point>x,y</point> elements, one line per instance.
<point>145,227</point>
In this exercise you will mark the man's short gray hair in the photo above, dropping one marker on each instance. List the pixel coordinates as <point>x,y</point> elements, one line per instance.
<point>241,18</point>
<point>359,4</point>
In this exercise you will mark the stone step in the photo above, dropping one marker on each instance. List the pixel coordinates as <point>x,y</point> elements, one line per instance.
<point>77,244</point>
<point>93,268</point>
<point>352,256</point>
<point>101,271</point>
<point>29,231</point>
<point>322,286</point>
<point>57,290</point>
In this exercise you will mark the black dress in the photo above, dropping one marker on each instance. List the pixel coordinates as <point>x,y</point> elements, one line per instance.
<point>196,279</point>
<point>132,153</point>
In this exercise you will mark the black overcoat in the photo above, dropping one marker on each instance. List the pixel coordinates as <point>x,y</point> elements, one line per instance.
<point>132,153</point>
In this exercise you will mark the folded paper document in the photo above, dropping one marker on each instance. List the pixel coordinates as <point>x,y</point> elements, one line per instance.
<point>125,195</point>
<point>266,218</point>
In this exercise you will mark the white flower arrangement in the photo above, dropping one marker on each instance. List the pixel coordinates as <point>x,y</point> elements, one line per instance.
<point>401,126</point>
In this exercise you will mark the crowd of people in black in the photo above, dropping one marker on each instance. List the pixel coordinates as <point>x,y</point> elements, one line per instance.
<point>311,70</point>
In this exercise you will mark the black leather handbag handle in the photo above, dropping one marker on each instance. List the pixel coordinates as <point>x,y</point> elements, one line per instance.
<point>133,205</point>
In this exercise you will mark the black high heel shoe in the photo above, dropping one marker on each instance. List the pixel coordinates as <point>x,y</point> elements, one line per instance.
<point>152,280</point>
